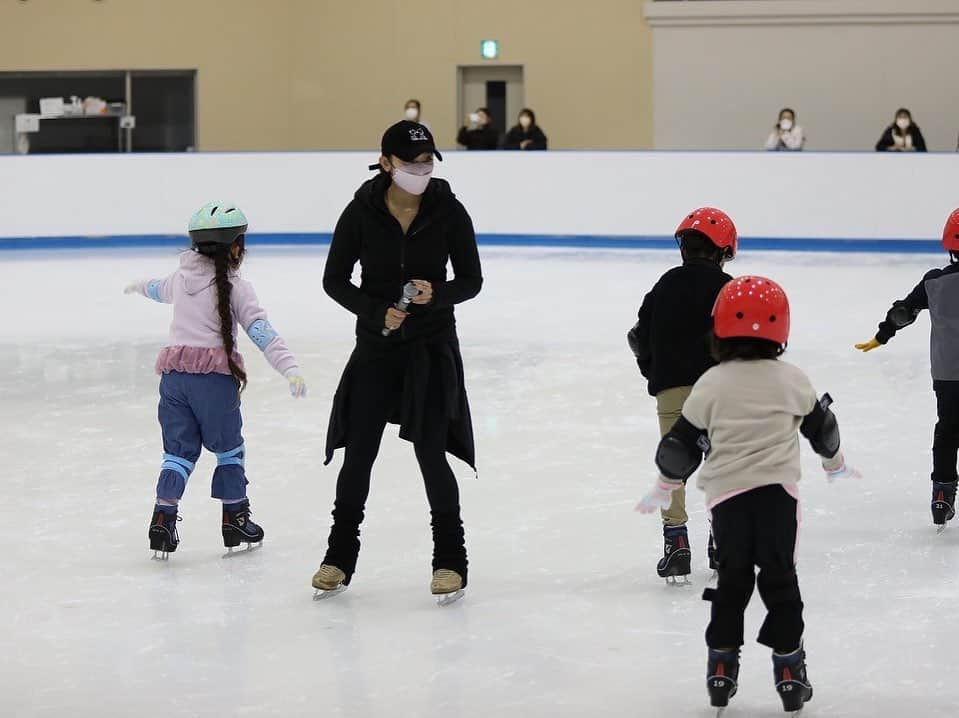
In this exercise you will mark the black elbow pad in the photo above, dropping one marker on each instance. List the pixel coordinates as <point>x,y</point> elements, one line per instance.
<point>681,451</point>
<point>901,316</point>
<point>632,338</point>
<point>822,429</point>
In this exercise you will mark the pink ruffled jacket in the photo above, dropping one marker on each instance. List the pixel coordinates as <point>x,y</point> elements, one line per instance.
<point>195,345</point>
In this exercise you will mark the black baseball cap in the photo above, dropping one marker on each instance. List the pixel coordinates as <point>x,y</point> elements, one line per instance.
<point>408,140</point>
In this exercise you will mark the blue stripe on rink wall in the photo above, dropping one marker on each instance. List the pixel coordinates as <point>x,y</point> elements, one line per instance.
<point>786,244</point>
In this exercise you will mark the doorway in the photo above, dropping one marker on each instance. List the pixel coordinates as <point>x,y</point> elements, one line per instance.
<point>497,87</point>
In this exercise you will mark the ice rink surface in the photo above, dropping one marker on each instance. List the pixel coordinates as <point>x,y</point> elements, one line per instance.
<point>564,615</point>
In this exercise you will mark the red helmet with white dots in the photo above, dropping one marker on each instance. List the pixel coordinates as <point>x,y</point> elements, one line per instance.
<point>752,308</point>
<point>950,233</point>
<point>715,225</point>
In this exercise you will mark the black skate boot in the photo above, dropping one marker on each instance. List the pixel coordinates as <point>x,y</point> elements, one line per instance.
<point>722,676</point>
<point>943,503</point>
<point>676,555</point>
<point>792,683</point>
<point>163,535</point>
<point>237,527</point>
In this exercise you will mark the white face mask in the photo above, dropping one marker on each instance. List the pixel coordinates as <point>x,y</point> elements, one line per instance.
<point>413,178</point>
<point>412,114</point>
<point>903,123</point>
<point>525,122</point>
<point>786,123</point>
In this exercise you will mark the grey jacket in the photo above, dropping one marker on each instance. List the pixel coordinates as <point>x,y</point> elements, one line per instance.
<point>939,293</point>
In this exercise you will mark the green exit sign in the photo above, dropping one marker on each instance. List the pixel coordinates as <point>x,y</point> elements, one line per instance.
<point>489,49</point>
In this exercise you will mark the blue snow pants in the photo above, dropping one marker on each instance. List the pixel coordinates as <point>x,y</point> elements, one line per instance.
<point>196,411</point>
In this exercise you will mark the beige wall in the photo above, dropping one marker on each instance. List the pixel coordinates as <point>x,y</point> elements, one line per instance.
<point>723,70</point>
<point>331,74</point>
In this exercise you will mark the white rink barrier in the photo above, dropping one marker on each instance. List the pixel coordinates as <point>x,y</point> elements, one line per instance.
<point>780,200</point>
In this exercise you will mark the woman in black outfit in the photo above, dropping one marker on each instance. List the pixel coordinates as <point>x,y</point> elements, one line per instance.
<point>478,133</point>
<point>526,135</point>
<point>903,135</point>
<point>402,226</point>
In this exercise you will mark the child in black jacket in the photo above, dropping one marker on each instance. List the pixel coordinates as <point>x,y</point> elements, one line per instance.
<point>939,293</point>
<point>670,341</point>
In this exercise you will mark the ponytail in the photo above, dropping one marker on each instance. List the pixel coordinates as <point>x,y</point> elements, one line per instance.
<point>223,262</point>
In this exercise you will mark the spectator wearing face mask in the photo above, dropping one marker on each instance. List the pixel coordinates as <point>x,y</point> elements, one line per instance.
<point>412,111</point>
<point>787,136</point>
<point>526,135</point>
<point>903,135</point>
<point>478,133</point>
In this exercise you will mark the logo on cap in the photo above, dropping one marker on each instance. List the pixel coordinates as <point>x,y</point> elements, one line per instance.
<point>418,135</point>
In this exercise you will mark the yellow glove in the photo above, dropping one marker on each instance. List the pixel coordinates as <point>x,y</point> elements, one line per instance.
<point>869,346</point>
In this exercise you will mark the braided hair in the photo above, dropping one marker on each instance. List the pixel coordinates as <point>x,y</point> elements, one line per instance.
<point>224,261</point>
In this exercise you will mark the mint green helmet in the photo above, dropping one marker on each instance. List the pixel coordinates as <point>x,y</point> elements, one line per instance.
<point>216,224</point>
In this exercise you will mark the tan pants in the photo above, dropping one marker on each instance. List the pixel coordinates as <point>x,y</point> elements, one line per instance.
<point>669,407</point>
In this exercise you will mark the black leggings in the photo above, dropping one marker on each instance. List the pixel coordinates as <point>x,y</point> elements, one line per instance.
<point>945,442</point>
<point>375,388</point>
<point>757,528</point>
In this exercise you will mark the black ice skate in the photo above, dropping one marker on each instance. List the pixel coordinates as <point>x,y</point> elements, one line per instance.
<point>943,503</point>
<point>676,555</point>
<point>722,676</point>
<point>792,683</point>
<point>163,535</point>
<point>237,527</point>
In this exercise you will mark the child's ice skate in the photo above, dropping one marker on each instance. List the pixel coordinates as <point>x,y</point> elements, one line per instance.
<point>677,557</point>
<point>792,683</point>
<point>943,503</point>
<point>238,528</point>
<point>722,676</point>
<point>163,534</point>
<point>446,586</point>
<point>328,582</point>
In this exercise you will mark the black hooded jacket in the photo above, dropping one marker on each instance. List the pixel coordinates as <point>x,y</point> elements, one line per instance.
<point>516,136</point>
<point>886,142</point>
<point>478,138</point>
<point>441,232</point>
<point>367,233</point>
<point>671,338</point>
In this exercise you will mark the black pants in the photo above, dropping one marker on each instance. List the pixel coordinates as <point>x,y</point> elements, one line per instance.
<point>945,442</point>
<point>375,390</point>
<point>757,528</point>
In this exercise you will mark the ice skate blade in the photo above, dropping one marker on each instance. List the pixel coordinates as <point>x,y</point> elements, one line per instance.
<point>161,556</point>
<point>250,548</point>
<point>324,594</point>
<point>674,581</point>
<point>940,529</point>
<point>445,599</point>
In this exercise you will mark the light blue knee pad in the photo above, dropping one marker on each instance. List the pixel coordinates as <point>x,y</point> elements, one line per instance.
<point>178,464</point>
<point>172,487</point>
<point>231,457</point>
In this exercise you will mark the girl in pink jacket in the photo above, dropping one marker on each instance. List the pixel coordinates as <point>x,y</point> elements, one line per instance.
<point>202,374</point>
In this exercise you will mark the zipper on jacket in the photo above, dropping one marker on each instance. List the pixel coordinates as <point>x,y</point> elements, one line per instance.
<point>403,278</point>
<point>403,241</point>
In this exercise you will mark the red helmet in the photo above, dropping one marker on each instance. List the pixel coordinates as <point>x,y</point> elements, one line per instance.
<point>950,233</point>
<point>753,308</point>
<point>715,224</point>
